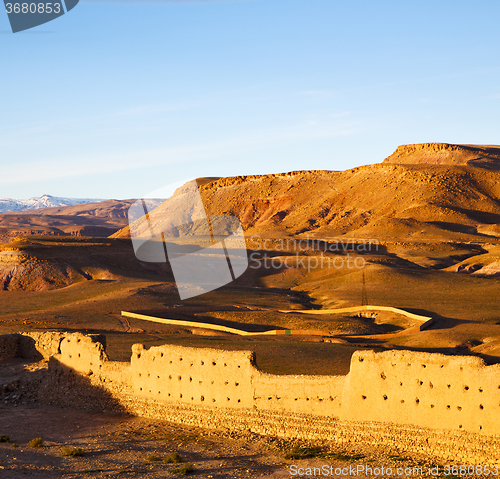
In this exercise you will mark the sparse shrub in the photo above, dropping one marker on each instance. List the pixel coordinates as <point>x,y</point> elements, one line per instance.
<point>153,458</point>
<point>173,458</point>
<point>397,458</point>
<point>37,442</point>
<point>72,452</point>
<point>184,469</point>
<point>4,439</point>
<point>302,452</point>
<point>342,456</point>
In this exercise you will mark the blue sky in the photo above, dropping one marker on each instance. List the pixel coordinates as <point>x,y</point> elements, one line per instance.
<point>119,98</point>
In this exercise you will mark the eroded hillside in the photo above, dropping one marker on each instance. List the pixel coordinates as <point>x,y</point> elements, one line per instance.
<point>431,192</point>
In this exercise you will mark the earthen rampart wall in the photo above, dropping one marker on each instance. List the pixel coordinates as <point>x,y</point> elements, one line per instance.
<point>426,389</point>
<point>446,406</point>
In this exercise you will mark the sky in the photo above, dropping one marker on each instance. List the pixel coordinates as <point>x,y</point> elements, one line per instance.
<point>116,99</point>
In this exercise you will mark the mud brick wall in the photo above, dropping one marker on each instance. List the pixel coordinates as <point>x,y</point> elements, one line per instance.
<point>228,379</point>
<point>35,345</point>
<point>193,375</point>
<point>319,395</point>
<point>425,389</point>
<point>398,401</point>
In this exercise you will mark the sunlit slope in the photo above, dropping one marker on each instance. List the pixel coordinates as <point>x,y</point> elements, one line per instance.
<point>484,156</point>
<point>41,263</point>
<point>432,202</point>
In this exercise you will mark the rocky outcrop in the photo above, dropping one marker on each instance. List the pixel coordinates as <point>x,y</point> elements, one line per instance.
<point>447,154</point>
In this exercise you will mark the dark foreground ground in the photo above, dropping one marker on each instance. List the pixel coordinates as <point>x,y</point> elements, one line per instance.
<point>124,446</point>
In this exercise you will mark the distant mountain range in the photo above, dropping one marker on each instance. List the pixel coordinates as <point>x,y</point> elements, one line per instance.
<point>45,201</point>
<point>49,215</point>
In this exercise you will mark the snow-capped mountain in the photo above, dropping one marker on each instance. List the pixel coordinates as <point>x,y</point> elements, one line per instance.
<point>45,201</point>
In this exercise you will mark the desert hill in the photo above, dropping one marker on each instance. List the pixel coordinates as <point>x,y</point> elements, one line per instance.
<point>38,263</point>
<point>403,198</point>
<point>99,219</point>
<point>484,156</point>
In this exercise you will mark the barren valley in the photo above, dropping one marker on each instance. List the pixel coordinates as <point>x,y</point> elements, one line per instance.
<point>424,225</point>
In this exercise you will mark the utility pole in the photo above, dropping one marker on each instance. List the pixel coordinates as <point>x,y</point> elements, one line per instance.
<point>364,296</point>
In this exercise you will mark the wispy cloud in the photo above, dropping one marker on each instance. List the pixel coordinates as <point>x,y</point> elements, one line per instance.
<point>91,164</point>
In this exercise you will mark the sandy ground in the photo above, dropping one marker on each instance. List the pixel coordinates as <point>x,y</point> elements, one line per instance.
<point>124,446</point>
